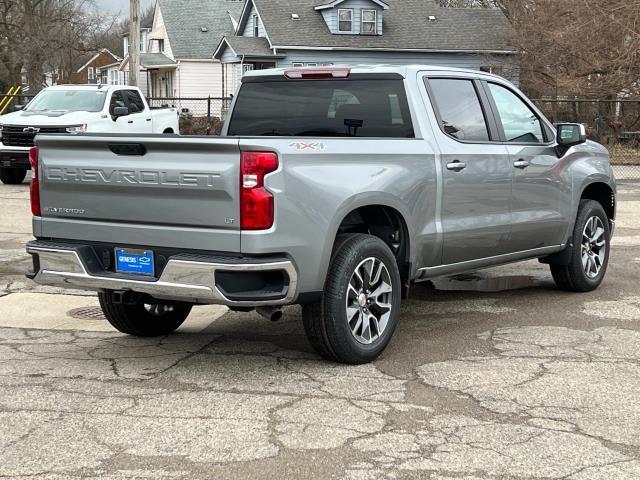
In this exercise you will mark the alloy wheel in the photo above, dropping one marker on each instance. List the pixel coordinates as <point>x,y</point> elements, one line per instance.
<point>594,247</point>
<point>369,299</point>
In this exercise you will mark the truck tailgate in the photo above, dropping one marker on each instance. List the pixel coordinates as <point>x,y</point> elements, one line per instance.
<point>169,191</point>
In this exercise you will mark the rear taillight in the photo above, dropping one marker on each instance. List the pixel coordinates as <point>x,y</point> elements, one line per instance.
<point>35,182</point>
<point>256,202</point>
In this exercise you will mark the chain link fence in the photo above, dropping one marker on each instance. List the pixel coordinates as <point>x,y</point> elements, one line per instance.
<point>198,116</point>
<point>614,123</point>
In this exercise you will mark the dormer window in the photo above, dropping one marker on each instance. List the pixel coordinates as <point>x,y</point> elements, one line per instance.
<point>345,20</point>
<point>367,19</point>
<point>369,22</point>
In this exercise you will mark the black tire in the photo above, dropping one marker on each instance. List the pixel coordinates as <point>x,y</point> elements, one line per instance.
<point>325,321</point>
<point>573,277</point>
<point>12,176</point>
<point>138,319</point>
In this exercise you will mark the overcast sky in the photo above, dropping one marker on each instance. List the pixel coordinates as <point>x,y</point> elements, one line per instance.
<point>119,6</point>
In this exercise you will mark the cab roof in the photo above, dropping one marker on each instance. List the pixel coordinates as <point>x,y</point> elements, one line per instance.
<point>403,70</point>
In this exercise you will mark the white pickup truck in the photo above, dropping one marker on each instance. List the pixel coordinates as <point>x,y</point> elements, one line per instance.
<point>70,109</point>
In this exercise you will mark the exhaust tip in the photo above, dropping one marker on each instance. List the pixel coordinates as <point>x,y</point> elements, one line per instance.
<point>270,313</point>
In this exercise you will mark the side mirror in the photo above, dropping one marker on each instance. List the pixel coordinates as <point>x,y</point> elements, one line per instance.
<point>120,112</point>
<point>17,108</point>
<point>570,134</point>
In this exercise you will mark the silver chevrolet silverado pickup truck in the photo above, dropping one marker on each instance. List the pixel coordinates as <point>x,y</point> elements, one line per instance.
<point>334,188</point>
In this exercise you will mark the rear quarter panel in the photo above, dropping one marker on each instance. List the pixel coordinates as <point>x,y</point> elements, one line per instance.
<point>320,181</point>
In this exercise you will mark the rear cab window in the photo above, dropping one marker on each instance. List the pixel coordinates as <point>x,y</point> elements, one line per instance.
<point>352,107</point>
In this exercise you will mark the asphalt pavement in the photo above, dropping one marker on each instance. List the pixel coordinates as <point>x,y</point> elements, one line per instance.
<point>491,375</point>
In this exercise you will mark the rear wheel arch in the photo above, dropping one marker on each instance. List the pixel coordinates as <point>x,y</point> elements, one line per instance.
<point>384,222</point>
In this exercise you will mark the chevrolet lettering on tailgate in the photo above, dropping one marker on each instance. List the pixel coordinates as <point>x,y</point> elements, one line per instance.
<point>131,177</point>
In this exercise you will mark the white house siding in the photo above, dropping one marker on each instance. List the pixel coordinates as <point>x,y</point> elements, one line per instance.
<point>199,78</point>
<point>248,29</point>
<point>331,15</point>
<point>159,32</point>
<point>143,82</point>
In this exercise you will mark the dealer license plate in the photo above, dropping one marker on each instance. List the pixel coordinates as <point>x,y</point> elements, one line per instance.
<point>138,262</point>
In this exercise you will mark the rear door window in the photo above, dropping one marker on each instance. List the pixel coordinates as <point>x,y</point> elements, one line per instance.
<point>459,108</point>
<point>345,108</point>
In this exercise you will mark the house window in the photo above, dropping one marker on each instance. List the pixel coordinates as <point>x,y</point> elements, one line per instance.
<point>369,22</point>
<point>101,76</point>
<point>90,74</point>
<point>256,26</point>
<point>298,65</point>
<point>161,45</point>
<point>113,77</point>
<point>345,20</point>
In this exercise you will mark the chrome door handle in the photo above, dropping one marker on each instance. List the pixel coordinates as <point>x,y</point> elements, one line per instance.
<point>456,166</point>
<point>521,164</point>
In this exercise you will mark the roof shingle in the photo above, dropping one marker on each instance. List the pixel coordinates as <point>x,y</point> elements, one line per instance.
<point>250,46</point>
<point>406,25</point>
<point>185,21</point>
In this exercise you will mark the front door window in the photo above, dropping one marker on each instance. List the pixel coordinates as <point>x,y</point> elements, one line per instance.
<point>520,123</point>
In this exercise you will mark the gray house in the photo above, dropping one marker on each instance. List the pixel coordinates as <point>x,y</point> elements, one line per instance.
<point>297,33</point>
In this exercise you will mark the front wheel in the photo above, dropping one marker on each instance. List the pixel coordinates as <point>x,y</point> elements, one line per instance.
<point>12,176</point>
<point>359,310</point>
<point>142,319</point>
<point>589,251</point>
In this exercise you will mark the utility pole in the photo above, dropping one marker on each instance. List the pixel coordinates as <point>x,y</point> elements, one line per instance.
<point>134,43</point>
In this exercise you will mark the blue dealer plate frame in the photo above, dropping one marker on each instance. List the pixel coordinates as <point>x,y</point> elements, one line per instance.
<point>136,262</point>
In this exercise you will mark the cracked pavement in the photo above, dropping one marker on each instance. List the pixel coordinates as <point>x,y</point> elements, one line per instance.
<point>491,375</point>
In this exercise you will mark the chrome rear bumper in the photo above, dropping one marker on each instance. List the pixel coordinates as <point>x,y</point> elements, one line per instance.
<point>182,279</point>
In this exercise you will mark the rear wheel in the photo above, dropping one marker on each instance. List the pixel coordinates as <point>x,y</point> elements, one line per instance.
<point>359,310</point>
<point>589,252</point>
<point>142,319</point>
<point>12,176</point>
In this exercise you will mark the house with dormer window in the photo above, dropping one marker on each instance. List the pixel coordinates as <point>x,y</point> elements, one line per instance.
<point>308,33</point>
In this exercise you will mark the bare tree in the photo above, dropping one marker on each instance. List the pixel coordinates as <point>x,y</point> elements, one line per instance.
<point>38,36</point>
<point>573,47</point>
